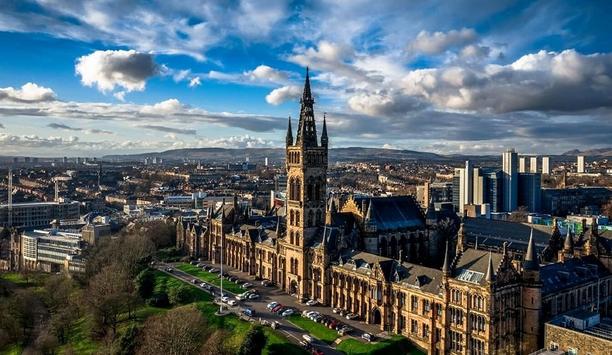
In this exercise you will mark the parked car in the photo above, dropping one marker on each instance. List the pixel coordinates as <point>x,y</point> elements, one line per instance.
<point>287,312</point>
<point>194,262</point>
<point>194,281</point>
<point>339,326</point>
<point>344,330</point>
<point>246,285</point>
<point>307,338</point>
<point>332,324</point>
<point>232,302</point>
<point>305,313</point>
<point>277,308</point>
<point>248,312</point>
<point>317,352</point>
<point>224,299</point>
<point>352,316</point>
<point>306,345</point>
<point>212,270</point>
<point>169,269</point>
<point>367,336</point>
<point>253,296</point>
<point>203,285</point>
<point>336,310</point>
<point>312,303</point>
<point>271,305</point>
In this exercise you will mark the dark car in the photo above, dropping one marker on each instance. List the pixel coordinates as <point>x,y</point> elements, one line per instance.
<point>249,312</point>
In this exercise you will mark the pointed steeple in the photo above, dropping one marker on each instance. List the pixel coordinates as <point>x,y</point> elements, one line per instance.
<point>531,259</point>
<point>289,138</point>
<point>490,273</point>
<point>307,130</point>
<point>324,139</point>
<point>368,216</point>
<point>446,265</point>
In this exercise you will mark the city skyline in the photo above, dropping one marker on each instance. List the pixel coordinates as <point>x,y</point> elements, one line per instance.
<point>96,79</point>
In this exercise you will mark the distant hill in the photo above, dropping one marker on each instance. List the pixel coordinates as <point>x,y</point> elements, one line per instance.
<point>600,152</point>
<point>278,154</point>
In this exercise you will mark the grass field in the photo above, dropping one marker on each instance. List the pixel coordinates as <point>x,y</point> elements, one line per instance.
<point>210,277</point>
<point>395,345</point>
<point>80,341</point>
<point>317,329</point>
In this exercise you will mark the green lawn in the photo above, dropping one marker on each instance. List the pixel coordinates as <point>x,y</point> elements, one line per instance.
<point>20,280</point>
<point>164,282</point>
<point>210,277</point>
<point>396,345</point>
<point>278,344</point>
<point>317,329</point>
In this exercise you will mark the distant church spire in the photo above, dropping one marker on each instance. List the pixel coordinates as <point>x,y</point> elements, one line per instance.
<point>324,139</point>
<point>289,138</point>
<point>446,265</point>
<point>490,272</point>
<point>307,130</point>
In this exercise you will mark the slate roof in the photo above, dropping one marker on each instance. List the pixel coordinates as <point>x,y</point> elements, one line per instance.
<point>393,213</point>
<point>424,278</point>
<point>571,273</point>
<point>473,263</point>
<point>493,233</point>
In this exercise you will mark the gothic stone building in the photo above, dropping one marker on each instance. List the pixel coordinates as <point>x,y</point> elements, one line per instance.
<point>367,255</point>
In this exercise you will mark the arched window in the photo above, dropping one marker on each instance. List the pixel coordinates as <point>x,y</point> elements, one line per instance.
<point>291,217</point>
<point>310,219</point>
<point>319,221</point>
<point>297,218</point>
<point>291,237</point>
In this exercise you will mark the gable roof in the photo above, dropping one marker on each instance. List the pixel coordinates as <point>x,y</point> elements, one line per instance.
<point>392,213</point>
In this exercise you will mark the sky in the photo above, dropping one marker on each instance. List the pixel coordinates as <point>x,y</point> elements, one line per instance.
<point>89,78</point>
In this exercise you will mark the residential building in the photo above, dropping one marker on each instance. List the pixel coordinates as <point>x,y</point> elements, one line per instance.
<point>38,214</point>
<point>546,165</point>
<point>580,164</point>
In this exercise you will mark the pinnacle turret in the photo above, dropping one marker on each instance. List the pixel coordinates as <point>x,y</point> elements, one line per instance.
<point>531,260</point>
<point>324,139</point>
<point>289,137</point>
<point>307,130</point>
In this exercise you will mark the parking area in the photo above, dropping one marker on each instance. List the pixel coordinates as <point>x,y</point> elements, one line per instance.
<point>269,294</point>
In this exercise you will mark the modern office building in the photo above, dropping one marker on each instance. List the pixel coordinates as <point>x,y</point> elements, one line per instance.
<point>38,214</point>
<point>468,183</point>
<point>533,165</point>
<point>51,250</point>
<point>493,189</point>
<point>510,171</point>
<point>573,200</point>
<point>530,191</point>
<point>522,165</point>
<point>546,165</point>
<point>580,164</point>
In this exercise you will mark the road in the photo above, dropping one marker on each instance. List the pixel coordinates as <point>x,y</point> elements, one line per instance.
<point>293,333</point>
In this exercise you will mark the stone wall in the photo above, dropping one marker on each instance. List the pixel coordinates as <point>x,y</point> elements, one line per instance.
<point>582,342</point>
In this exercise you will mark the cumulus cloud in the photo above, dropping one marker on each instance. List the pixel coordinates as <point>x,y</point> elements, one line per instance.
<point>283,94</point>
<point>261,75</point>
<point>170,130</point>
<point>109,69</point>
<point>245,141</point>
<point>29,92</point>
<point>550,81</point>
<point>438,42</point>
<point>171,110</point>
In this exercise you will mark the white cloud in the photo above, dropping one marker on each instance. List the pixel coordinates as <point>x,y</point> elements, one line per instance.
<point>262,75</point>
<point>109,69</point>
<point>29,92</point>
<point>438,42</point>
<point>283,94</point>
<point>194,82</point>
<point>565,81</point>
<point>166,107</point>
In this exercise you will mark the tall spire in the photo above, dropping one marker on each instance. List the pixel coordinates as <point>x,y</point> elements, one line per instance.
<point>307,130</point>
<point>490,272</point>
<point>446,265</point>
<point>289,138</point>
<point>531,260</point>
<point>324,139</point>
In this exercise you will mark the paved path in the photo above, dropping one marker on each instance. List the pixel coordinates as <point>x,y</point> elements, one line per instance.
<point>293,333</point>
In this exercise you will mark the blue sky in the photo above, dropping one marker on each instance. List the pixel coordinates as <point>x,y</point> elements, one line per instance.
<point>93,78</point>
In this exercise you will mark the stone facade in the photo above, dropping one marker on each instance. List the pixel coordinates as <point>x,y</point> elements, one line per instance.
<point>368,256</point>
<point>567,340</point>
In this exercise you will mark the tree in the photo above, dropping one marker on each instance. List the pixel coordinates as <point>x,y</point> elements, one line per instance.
<point>177,332</point>
<point>179,295</point>
<point>254,342</point>
<point>145,283</point>
<point>215,344</point>
<point>109,295</point>
<point>128,340</point>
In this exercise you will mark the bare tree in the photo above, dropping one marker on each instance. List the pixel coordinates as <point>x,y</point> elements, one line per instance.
<point>177,332</point>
